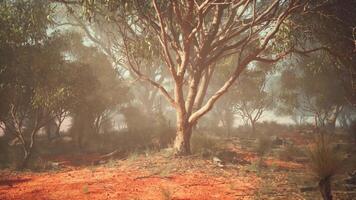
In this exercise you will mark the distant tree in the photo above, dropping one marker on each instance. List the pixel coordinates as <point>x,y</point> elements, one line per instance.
<point>248,97</point>
<point>252,98</point>
<point>307,90</point>
<point>98,91</point>
<point>102,36</point>
<point>224,113</point>
<point>346,117</point>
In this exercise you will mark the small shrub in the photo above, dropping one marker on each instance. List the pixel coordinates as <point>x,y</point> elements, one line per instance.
<point>253,167</point>
<point>133,156</point>
<point>39,164</point>
<point>290,152</point>
<point>145,130</point>
<point>325,163</point>
<point>204,145</point>
<point>263,146</point>
<point>85,189</point>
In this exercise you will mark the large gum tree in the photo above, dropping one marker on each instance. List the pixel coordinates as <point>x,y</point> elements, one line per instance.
<point>190,37</point>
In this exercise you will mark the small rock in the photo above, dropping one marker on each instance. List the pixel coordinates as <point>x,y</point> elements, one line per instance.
<point>218,162</point>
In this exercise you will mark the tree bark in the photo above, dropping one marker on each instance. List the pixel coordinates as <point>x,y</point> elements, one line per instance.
<point>184,128</point>
<point>325,189</point>
<point>253,127</point>
<point>28,150</point>
<point>331,121</point>
<point>182,141</point>
<point>58,130</point>
<point>26,158</point>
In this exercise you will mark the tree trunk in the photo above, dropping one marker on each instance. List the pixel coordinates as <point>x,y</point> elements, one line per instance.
<point>28,149</point>
<point>80,140</point>
<point>353,130</point>
<point>26,158</point>
<point>228,131</point>
<point>182,140</point>
<point>325,189</point>
<point>331,121</point>
<point>253,126</point>
<point>58,129</point>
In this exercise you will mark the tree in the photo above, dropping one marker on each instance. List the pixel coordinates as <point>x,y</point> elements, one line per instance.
<point>97,90</point>
<point>192,36</point>
<point>251,97</point>
<point>224,113</point>
<point>29,98</point>
<point>307,90</point>
<point>247,98</point>
<point>32,99</point>
<point>346,117</point>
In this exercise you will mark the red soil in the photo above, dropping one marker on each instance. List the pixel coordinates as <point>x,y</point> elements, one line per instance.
<point>151,177</point>
<point>127,182</point>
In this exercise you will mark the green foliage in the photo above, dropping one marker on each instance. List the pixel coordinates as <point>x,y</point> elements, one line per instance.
<point>285,34</point>
<point>331,27</point>
<point>31,60</point>
<point>24,41</point>
<point>43,73</point>
<point>96,90</point>
<point>23,22</point>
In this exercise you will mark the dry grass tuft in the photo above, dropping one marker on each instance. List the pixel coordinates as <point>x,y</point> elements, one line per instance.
<point>325,162</point>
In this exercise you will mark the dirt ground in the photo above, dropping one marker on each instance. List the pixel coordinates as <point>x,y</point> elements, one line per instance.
<point>158,176</point>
